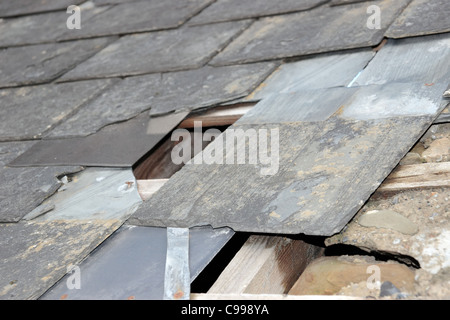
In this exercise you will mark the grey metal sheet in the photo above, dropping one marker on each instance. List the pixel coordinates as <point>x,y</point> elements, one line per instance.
<point>422,17</point>
<point>40,28</point>
<point>117,145</point>
<point>326,169</point>
<point>23,189</point>
<point>95,193</point>
<point>423,59</point>
<point>131,264</point>
<point>30,112</point>
<point>324,71</point>
<point>23,7</point>
<point>163,51</point>
<point>319,30</point>
<point>132,17</point>
<point>45,62</point>
<point>164,93</point>
<point>35,256</point>
<point>227,10</point>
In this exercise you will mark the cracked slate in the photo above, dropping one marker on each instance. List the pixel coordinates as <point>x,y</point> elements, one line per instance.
<point>116,145</point>
<point>36,255</point>
<point>23,189</point>
<point>327,169</point>
<point>319,30</point>
<point>108,273</point>
<point>324,71</point>
<point>422,17</point>
<point>228,10</point>
<point>164,93</point>
<point>424,59</point>
<point>162,51</point>
<point>138,17</point>
<point>95,193</point>
<point>23,7</point>
<point>40,28</point>
<point>45,62</point>
<point>29,112</point>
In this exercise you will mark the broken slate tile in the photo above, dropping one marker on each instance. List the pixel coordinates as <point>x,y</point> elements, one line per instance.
<point>422,59</point>
<point>163,51</point>
<point>324,71</point>
<point>41,28</point>
<point>421,17</point>
<point>138,17</point>
<point>95,193</point>
<point>36,255</point>
<point>108,273</point>
<point>116,145</point>
<point>45,62</point>
<point>164,93</point>
<point>322,174</point>
<point>319,30</point>
<point>24,7</point>
<point>23,189</point>
<point>29,112</point>
<point>228,10</point>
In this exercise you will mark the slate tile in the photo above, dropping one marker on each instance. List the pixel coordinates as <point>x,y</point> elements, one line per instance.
<point>108,273</point>
<point>105,2</point>
<point>138,17</point>
<point>45,62</point>
<point>422,59</point>
<point>94,193</point>
<point>324,71</point>
<point>31,111</point>
<point>175,91</point>
<point>23,189</point>
<point>327,169</point>
<point>422,17</point>
<point>227,10</point>
<point>180,49</point>
<point>319,30</point>
<point>36,255</point>
<point>117,145</point>
<point>41,28</point>
<point>343,2</point>
<point>23,7</point>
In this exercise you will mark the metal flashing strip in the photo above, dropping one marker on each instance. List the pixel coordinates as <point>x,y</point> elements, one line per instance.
<point>177,280</point>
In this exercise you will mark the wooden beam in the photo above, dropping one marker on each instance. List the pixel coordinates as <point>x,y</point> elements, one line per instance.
<point>217,117</point>
<point>266,265</point>
<point>426,175</point>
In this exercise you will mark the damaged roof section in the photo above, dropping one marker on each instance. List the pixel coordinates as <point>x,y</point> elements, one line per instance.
<point>328,165</point>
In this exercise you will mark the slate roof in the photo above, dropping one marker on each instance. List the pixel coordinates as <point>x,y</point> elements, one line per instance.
<point>73,102</point>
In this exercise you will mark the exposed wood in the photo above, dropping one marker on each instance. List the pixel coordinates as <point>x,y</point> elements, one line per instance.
<point>246,296</point>
<point>414,176</point>
<point>221,116</point>
<point>147,188</point>
<point>265,265</point>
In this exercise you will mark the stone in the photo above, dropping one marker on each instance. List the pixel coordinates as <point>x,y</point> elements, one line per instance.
<point>438,150</point>
<point>328,275</point>
<point>23,7</point>
<point>388,219</point>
